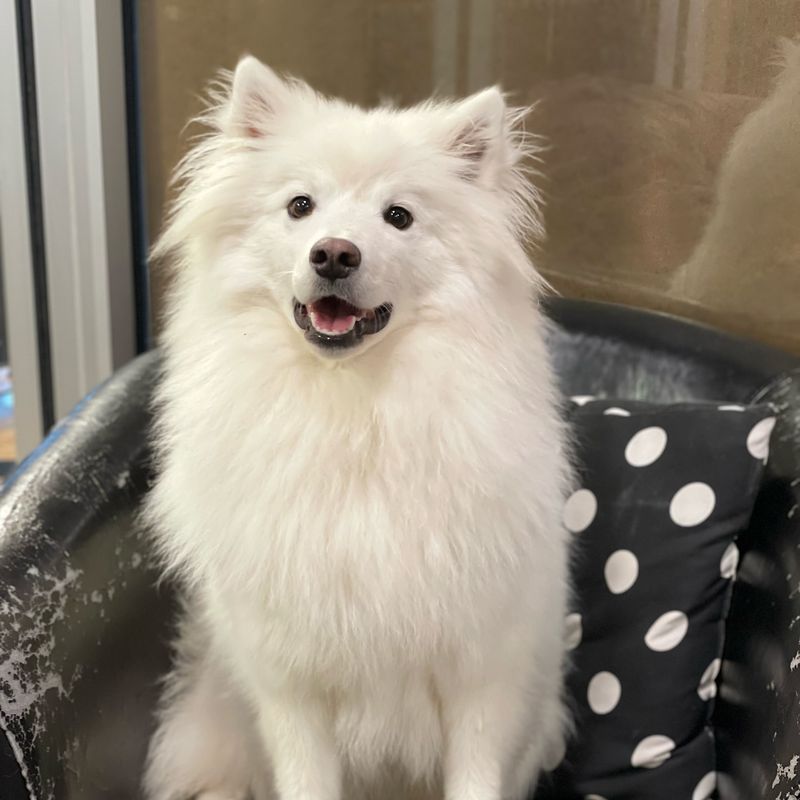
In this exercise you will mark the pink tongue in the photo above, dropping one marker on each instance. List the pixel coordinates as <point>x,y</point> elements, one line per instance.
<point>335,324</point>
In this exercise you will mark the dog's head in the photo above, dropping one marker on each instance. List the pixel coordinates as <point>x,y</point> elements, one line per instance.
<point>353,223</point>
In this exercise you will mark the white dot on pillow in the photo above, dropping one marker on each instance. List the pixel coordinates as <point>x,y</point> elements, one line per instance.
<point>731,407</point>
<point>706,788</point>
<point>573,631</point>
<point>579,511</point>
<point>616,412</point>
<point>667,632</point>
<point>646,446</point>
<point>758,438</point>
<point>604,693</point>
<point>692,504</point>
<point>621,571</point>
<point>593,797</point>
<point>652,752</point>
<point>729,562</point>
<point>582,399</point>
<point>708,682</point>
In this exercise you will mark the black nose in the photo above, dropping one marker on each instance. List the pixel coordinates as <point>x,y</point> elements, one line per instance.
<point>335,258</point>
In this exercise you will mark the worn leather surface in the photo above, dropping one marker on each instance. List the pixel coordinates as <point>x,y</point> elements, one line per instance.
<point>84,628</point>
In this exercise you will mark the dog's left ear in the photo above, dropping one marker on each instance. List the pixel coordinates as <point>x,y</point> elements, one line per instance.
<point>478,132</point>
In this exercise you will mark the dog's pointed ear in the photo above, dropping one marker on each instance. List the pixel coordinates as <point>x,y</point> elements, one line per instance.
<point>478,134</point>
<point>256,97</point>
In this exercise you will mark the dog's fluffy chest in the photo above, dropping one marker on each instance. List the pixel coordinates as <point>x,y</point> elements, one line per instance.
<point>342,532</point>
<point>360,552</point>
<point>343,516</point>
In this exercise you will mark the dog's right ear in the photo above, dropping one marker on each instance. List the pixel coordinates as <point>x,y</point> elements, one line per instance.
<point>256,97</point>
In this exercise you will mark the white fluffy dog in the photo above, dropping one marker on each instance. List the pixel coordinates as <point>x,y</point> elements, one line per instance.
<point>362,466</point>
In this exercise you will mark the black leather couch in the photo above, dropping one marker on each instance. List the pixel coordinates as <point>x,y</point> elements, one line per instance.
<point>84,624</point>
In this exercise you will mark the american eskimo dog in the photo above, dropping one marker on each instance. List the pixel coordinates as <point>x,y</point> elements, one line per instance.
<point>362,465</point>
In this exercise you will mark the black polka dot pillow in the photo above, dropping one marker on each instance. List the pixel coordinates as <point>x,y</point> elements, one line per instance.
<point>664,491</point>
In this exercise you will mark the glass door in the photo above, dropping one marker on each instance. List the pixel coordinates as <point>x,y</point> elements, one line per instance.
<point>24,409</point>
<point>670,171</point>
<point>71,258</point>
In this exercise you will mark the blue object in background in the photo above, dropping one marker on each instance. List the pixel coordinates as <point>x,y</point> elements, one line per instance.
<point>6,398</point>
<point>6,414</point>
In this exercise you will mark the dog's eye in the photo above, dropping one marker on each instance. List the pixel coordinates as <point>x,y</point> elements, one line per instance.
<point>398,216</point>
<point>300,206</point>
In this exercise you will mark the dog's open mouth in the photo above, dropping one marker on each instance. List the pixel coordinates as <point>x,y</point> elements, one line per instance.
<point>333,322</point>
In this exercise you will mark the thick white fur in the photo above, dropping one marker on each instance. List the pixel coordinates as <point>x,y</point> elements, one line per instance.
<point>372,550</point>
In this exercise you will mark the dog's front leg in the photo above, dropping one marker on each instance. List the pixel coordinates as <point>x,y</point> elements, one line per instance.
<point>297,732</point>
<point>485,727</point>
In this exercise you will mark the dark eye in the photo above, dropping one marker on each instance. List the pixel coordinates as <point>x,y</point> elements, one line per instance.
<point>300,206</point>
<point>398,216</point>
